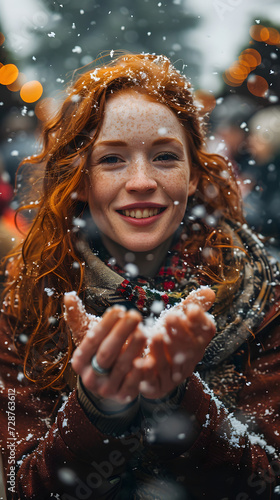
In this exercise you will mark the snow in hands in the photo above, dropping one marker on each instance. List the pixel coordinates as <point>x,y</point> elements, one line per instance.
<point>151,326</point>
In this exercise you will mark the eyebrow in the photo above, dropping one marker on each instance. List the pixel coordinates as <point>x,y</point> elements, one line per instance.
<point>164,140</point>
<point>157,142</point>
<point>110,143</point>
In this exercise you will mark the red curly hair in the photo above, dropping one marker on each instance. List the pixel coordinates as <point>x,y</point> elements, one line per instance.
<point>47,264</point>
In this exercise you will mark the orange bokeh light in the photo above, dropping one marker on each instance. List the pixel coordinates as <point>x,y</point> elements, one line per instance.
<point>238,71</point>
<point>2,38</point>
<point>250,58</point>
<point>257,85</point>
<point>274,37</point>
<point>264,34</point>
<point>31,91</point>
<point>248,65</point>
<point>8,74</point>
<point>261,33</point>
<point>18,83</point>
<point>252,53</point>
<point>229,80</point>
<point>255,32</point>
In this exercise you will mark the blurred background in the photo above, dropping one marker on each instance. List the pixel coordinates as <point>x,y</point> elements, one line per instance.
<point>229,49</point>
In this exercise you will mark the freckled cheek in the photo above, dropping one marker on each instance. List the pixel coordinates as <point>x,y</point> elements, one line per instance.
<point>179,208</point>
<point>176,187</point>
<point>103,187</point>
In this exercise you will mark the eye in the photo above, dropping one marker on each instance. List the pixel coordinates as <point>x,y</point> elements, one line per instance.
<point>111,159</point>
<point>166,156</point>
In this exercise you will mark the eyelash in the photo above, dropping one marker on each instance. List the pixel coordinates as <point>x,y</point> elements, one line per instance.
<point>106,159</point>
<point>171,156</point>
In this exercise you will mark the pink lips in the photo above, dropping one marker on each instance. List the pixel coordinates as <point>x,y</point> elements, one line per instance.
<point>143,204</point>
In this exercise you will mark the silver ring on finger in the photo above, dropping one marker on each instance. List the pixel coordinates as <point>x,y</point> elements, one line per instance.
<point>98,370</point>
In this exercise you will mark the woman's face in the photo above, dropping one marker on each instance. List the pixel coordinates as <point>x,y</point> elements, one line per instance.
<point>139,173</point>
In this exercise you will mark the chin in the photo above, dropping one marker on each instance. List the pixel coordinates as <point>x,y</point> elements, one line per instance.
<point>139,248</point>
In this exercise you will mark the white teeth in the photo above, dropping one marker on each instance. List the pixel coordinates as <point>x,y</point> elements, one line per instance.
<point>146,212</point>
<point>141,213</point>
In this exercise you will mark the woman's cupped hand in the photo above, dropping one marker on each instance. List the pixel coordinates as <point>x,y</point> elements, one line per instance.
<point>119,343</point>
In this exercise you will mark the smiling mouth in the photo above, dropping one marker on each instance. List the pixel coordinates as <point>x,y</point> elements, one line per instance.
<point>142,213</point>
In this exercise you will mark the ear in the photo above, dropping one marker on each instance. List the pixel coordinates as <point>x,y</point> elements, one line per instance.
<point>83,190</point>
<point>193,183</point>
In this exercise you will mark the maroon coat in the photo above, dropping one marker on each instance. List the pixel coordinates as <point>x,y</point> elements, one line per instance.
<point>53,448</point>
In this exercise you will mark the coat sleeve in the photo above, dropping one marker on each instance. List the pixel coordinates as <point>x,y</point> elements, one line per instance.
<point>239,449</point>
<point>48,453</point>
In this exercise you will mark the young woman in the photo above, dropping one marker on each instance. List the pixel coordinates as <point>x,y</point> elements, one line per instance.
<point>103,396</point>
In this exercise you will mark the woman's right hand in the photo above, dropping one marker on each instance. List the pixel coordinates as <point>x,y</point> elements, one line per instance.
<point>116,340</point>
<point>173,355</point>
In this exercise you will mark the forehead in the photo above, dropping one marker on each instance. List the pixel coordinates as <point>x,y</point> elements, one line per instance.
<point>130,111</point>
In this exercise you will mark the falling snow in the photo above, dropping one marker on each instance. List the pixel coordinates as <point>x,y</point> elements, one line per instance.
<point>77,49</point>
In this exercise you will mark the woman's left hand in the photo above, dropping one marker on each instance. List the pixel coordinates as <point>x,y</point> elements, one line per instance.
<point>115,341</point>
<point>174,355</point>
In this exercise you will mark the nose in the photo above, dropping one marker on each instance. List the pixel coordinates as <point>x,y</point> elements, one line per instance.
<point>141,178</point>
